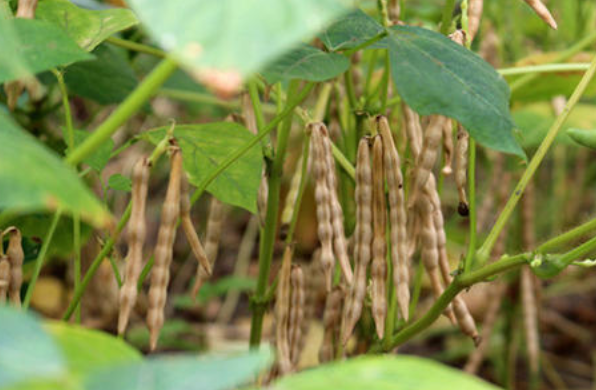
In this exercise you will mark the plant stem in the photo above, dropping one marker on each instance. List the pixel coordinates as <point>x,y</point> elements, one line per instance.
<point>472,204</point>
<point>138,47</point>
<point>242,150</point>
<point>303,181</point>
<point>546,68</point>
<point>484,251</point>
<point>366,44</point>
<point>197,97</point>
<point>69,134</point>
<point>76,234</point>
<point>343,161</point>
<point>267,239</point>
<point>128,108</point>
<point>253,92</point>
<point>447,15</point>
<point>41,257</point>
<point>570,235</point>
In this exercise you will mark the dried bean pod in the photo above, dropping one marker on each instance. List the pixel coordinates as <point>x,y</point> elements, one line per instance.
<point>474,17</point>
<point>189,229</point>
<point>378,270</point>
<point>362,241</point>
<point>448,147</point>
<point>322,198</point>
<point>291,197</point>
<point>136,240</point>
<point>212,237</point>
<point>331,323</point>
<point>4,278</point>
<point>461,169</point>
<point>428,156</point>
<point>413,130</point>
<point>337,215</point>
<point>542,12</point>
<point>397,218</point>
<point>282,313</point>
<point>16,257</point>
<point>297,303</point>
<point>160,274</point>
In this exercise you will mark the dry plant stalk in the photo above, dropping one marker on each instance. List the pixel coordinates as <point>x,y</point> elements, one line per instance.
<point>397,218</point>
<point>189,229</point>
<point>212,237</point>
<point>160,274</point>
<point>16,257</point>
<point>363,234</point>
<point>474,17</point>
<point>428,156</point>
<point>542,12</point>
<point>331,323</point>
<point>291,197</point>
<point>297,303</point>
<point>282,313</point>
<point>378,270</point>
<point>4,278</point>
<point>461,169</point>
<point>322,198</point>
<point>136,240</point>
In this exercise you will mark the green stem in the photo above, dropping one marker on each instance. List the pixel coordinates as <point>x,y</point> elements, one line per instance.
<point>128,108</point>
<point>301,188</point>
<point>484,251</point>
<point>578,252</point>
<point>267,239</point>
<point>417,289</point>
<point>138,47</point>
<point>366,44</point>
<point>570,235</point>
<point>41,257</point>
<point>76,233</point>
<point>253,92</point>
<point>447,15</point>
<point>69,139</point>
<point>241,151</point>
<point>197,97</point>
<point>546,68</point>
<point>343,161</point>
<point>472,205</point>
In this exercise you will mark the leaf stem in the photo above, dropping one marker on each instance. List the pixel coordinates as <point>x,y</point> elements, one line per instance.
<point>69,134</point>
<point>76,234</point>
<point>447,15</point>
<point>301,188</point>
<point>472,204</point>
<point>138,47</point>
<point>546,68</point>
<point>570,235</point>
<point>484,251</point>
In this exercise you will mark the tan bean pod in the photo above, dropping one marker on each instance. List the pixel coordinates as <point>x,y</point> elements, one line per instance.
<point>331,323</point>
<point>378,270</point>
<point>448,148</point>
<point>413,130</point>
<point>542,12</point>
<point>474,17</point>
<point>212,237</point>
<point>4,279</point>
<point>189,229</point>
<point>297,303</point>
<point>397,219</point>
<point>461,169</point>
<point>160,274</point>
<point>16,257</point>
<point>136,240</point>
<point>282,313</point>
<point>363,234</point>
<point>26,9</point>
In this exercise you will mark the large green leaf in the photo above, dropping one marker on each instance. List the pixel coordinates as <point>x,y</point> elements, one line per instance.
<point>350,31</point>
<point>205,146</point>
<point>12,65</point>
<point>87,350</point>
<point>108,79</point>
<point>37,46</point>
<point>27,353</point>
<point>383,373</point>
<point>231,35</point>
<point>182,373</point>
<point>88,28</point>
<point>437,76</point>
<point>33,178</point>
<point>306,63</point>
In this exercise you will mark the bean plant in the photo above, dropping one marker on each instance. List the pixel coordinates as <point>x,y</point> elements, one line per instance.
<point>389,163</point>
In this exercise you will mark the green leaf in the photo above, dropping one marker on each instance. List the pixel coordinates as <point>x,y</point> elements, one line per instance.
<point>176,373</point>
<point>583,137</point>
<point>216,289</point>
<point>28,353</point>
<point>205,146</point>
<point>350,31</point>
<point>383,373</point>
<point>437,76</point>
<point>12,65</point>
<point>87,28</point>
<point>234,36</point>
<point>101,156</point>
<point>120,183</point>
<point>306,63</point>
<point>33,178</point>
<point>108,79</point>
<point>41,46</point>
<point>87,351</point>
<point>549,266</point>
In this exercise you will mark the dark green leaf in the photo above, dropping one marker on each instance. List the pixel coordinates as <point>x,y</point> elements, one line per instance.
<point>108,79</point>
<point>28,353</point>
<point>205,146</point>
<point>41,46</point>
<point>231,35</point>
<point>33,178</point>
<point>306,63</point>
<point>120,183</point>
<point>101,156</point>
<point>383,373</point>
<point>350,31</point>
<point>87,28</point>
<point>182,373</point>
<point>437,76</point>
